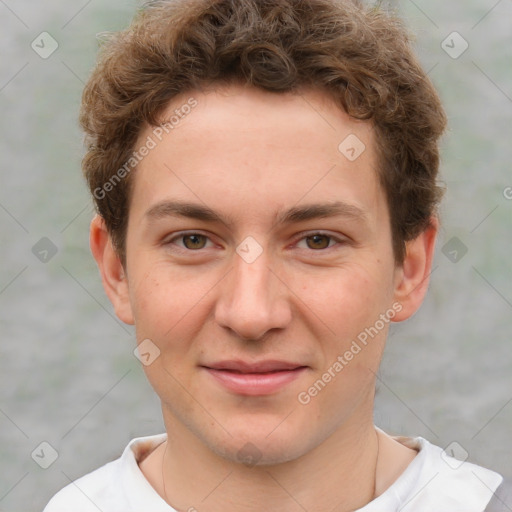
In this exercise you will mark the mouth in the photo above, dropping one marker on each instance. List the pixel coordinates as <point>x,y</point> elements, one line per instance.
<point>254,379</point>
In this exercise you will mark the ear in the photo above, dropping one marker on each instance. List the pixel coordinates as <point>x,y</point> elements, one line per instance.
<point>111,269</point>
<point>413,276</point>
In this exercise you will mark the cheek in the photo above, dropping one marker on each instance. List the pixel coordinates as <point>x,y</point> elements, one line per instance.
<point>170,307</point>
<point>348,299</point>
<point>351,303</point>
<point>161,296</point>
<point>170,316</point>
<point>148,296</point>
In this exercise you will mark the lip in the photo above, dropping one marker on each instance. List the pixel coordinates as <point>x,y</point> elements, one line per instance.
<point>253,379</point>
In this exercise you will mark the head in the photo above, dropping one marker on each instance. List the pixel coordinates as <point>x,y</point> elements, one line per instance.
<point>265,180</point>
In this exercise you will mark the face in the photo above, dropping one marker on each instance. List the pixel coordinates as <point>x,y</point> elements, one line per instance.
<point>260,267</point>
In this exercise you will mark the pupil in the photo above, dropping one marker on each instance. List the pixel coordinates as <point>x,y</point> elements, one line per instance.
<point>317,241</point>
<point>192,241</point>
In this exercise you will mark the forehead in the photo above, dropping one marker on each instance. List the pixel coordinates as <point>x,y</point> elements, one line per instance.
<point>252,112</point>
<point>245,149</point>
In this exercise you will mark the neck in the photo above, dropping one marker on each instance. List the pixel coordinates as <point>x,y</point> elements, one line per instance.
<point>338,475</point>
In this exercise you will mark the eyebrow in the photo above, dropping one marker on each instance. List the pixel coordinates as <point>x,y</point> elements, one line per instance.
<point>293,215</point>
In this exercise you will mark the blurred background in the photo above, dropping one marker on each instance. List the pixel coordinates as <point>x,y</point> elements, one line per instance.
<point>68,376</point>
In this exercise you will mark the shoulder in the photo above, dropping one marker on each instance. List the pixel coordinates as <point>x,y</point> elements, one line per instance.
<point>436,480</point>
<point>87,492</point>
<point>112,487</point>
<point>501,500</point>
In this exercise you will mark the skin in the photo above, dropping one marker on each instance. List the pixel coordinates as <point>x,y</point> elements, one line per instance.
<point>250,155</point>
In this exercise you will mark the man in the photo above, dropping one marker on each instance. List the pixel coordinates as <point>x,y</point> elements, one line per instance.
<point>265,179</point>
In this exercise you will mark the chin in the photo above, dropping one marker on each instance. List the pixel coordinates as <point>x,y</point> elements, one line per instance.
<point>254,449</point>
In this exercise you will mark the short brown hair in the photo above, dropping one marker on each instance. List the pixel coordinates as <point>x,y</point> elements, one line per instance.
<point>360,56</point>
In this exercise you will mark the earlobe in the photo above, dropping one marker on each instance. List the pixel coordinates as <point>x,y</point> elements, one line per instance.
<point>112,273</point>
<point>413,277</point>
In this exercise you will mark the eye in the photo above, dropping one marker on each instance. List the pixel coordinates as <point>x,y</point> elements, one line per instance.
<point>319,241</point>
<point>190,241</point>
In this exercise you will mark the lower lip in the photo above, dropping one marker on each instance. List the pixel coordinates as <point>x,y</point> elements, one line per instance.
<point>254,384</point>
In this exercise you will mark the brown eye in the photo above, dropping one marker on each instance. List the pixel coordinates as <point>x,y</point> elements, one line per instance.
<point>194,241</point>
<point>318,241</point>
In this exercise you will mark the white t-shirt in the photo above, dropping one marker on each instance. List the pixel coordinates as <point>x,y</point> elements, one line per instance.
<point>432,482</point>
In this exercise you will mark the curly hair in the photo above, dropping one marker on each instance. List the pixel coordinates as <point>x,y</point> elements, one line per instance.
<point>361,56</point>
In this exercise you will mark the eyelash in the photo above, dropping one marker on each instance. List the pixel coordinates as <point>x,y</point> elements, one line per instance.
<point>303,236</point>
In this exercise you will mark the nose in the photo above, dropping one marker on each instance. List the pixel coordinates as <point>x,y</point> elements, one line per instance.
<point>253,300</point>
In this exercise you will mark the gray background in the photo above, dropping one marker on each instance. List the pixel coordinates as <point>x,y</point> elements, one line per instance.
<point>68,375</point>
